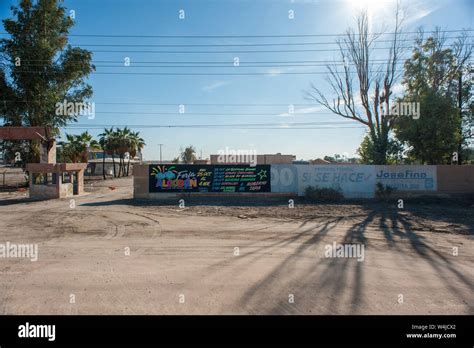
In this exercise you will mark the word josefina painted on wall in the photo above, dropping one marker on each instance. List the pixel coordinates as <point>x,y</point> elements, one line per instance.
<point>407,178</point>
<point>209,178</point>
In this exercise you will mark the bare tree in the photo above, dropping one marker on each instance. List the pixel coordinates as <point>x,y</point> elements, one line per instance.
<point>365,98</point>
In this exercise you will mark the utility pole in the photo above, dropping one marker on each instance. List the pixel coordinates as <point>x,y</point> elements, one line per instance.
<point>161,159</point>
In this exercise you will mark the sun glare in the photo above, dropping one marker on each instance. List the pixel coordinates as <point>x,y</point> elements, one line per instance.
<point>375,8</point>
<point>370,5</point>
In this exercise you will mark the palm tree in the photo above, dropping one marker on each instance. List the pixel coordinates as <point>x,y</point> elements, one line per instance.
<point>85,143</point>
<point>106,142</point>
<point>122,142</point>
<point>67,151</point>
<point>188,155</point>
<point>76,148</point>
<point>136,144</point>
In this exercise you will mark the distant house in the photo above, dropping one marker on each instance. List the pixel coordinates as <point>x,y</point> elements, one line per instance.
<point>94,154</point>
<point>277,158</point>
<point>202,161</point>
<point>96,161</point>
<point>319,161</point>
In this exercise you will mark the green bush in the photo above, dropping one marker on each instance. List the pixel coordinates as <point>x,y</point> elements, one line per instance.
<point>383,192</point>
<point>323,195</point>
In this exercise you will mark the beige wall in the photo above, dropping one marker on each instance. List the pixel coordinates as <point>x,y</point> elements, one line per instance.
<point>455,179</point>
<point>140,181</point>
<point>278,159</point>
<point>51,191</point>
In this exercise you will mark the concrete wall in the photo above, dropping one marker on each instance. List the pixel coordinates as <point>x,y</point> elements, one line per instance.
<point>52,191</point>
<point>48,155</point>
<point>284,178</point>
<point>277,159</point>
<point>407,178</point>
<point>59,189</point>
<point>66,190</point>
<point>455,179</point>
<point>140,181</point>
<point>44,191</point>
<point>355,181</point>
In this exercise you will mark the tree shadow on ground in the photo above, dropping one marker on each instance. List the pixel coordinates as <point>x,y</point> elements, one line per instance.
<point>336,275</point>
<point>13,201</point>
<point>456,211</point>
<point>225,202</point>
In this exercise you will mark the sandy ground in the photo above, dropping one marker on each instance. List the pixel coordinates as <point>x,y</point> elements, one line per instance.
<point>183,261</point>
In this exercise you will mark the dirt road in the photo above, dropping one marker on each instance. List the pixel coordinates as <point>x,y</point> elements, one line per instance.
<point>105,254</point>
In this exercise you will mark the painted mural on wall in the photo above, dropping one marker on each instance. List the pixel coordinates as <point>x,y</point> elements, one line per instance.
<point>407,178</point>
<point>209,178</point>
<point>284,178</point>
<point>352,180</point>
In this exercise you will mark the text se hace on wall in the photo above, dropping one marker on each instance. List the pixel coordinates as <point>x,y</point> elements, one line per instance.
<point>333,177</point>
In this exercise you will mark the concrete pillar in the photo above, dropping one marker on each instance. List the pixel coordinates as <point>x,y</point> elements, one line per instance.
<point>80,182</point>
<point>48,156</point>
<point>30,184</point>
<point>59,181</point>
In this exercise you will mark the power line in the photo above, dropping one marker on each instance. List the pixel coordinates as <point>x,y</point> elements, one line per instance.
<point>210,62</point>
<point>225,66</point>
<point>254,36</point>
<point>237,52</point>
<point>282,127</point>
<point>280,113</point>
<point>133,64</point>
<point>241,128</point>
<point>173,104</point>
<point>206,113</point>
<point>243,44</point>
<point>270,73</point>
<point>286,124</point>
<point>229,65</point>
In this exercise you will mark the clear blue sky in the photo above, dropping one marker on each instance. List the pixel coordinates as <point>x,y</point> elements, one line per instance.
<point>231,17</point>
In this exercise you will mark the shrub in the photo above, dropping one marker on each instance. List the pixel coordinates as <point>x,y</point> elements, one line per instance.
<point>323,195</point>
<point>383,192</point>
